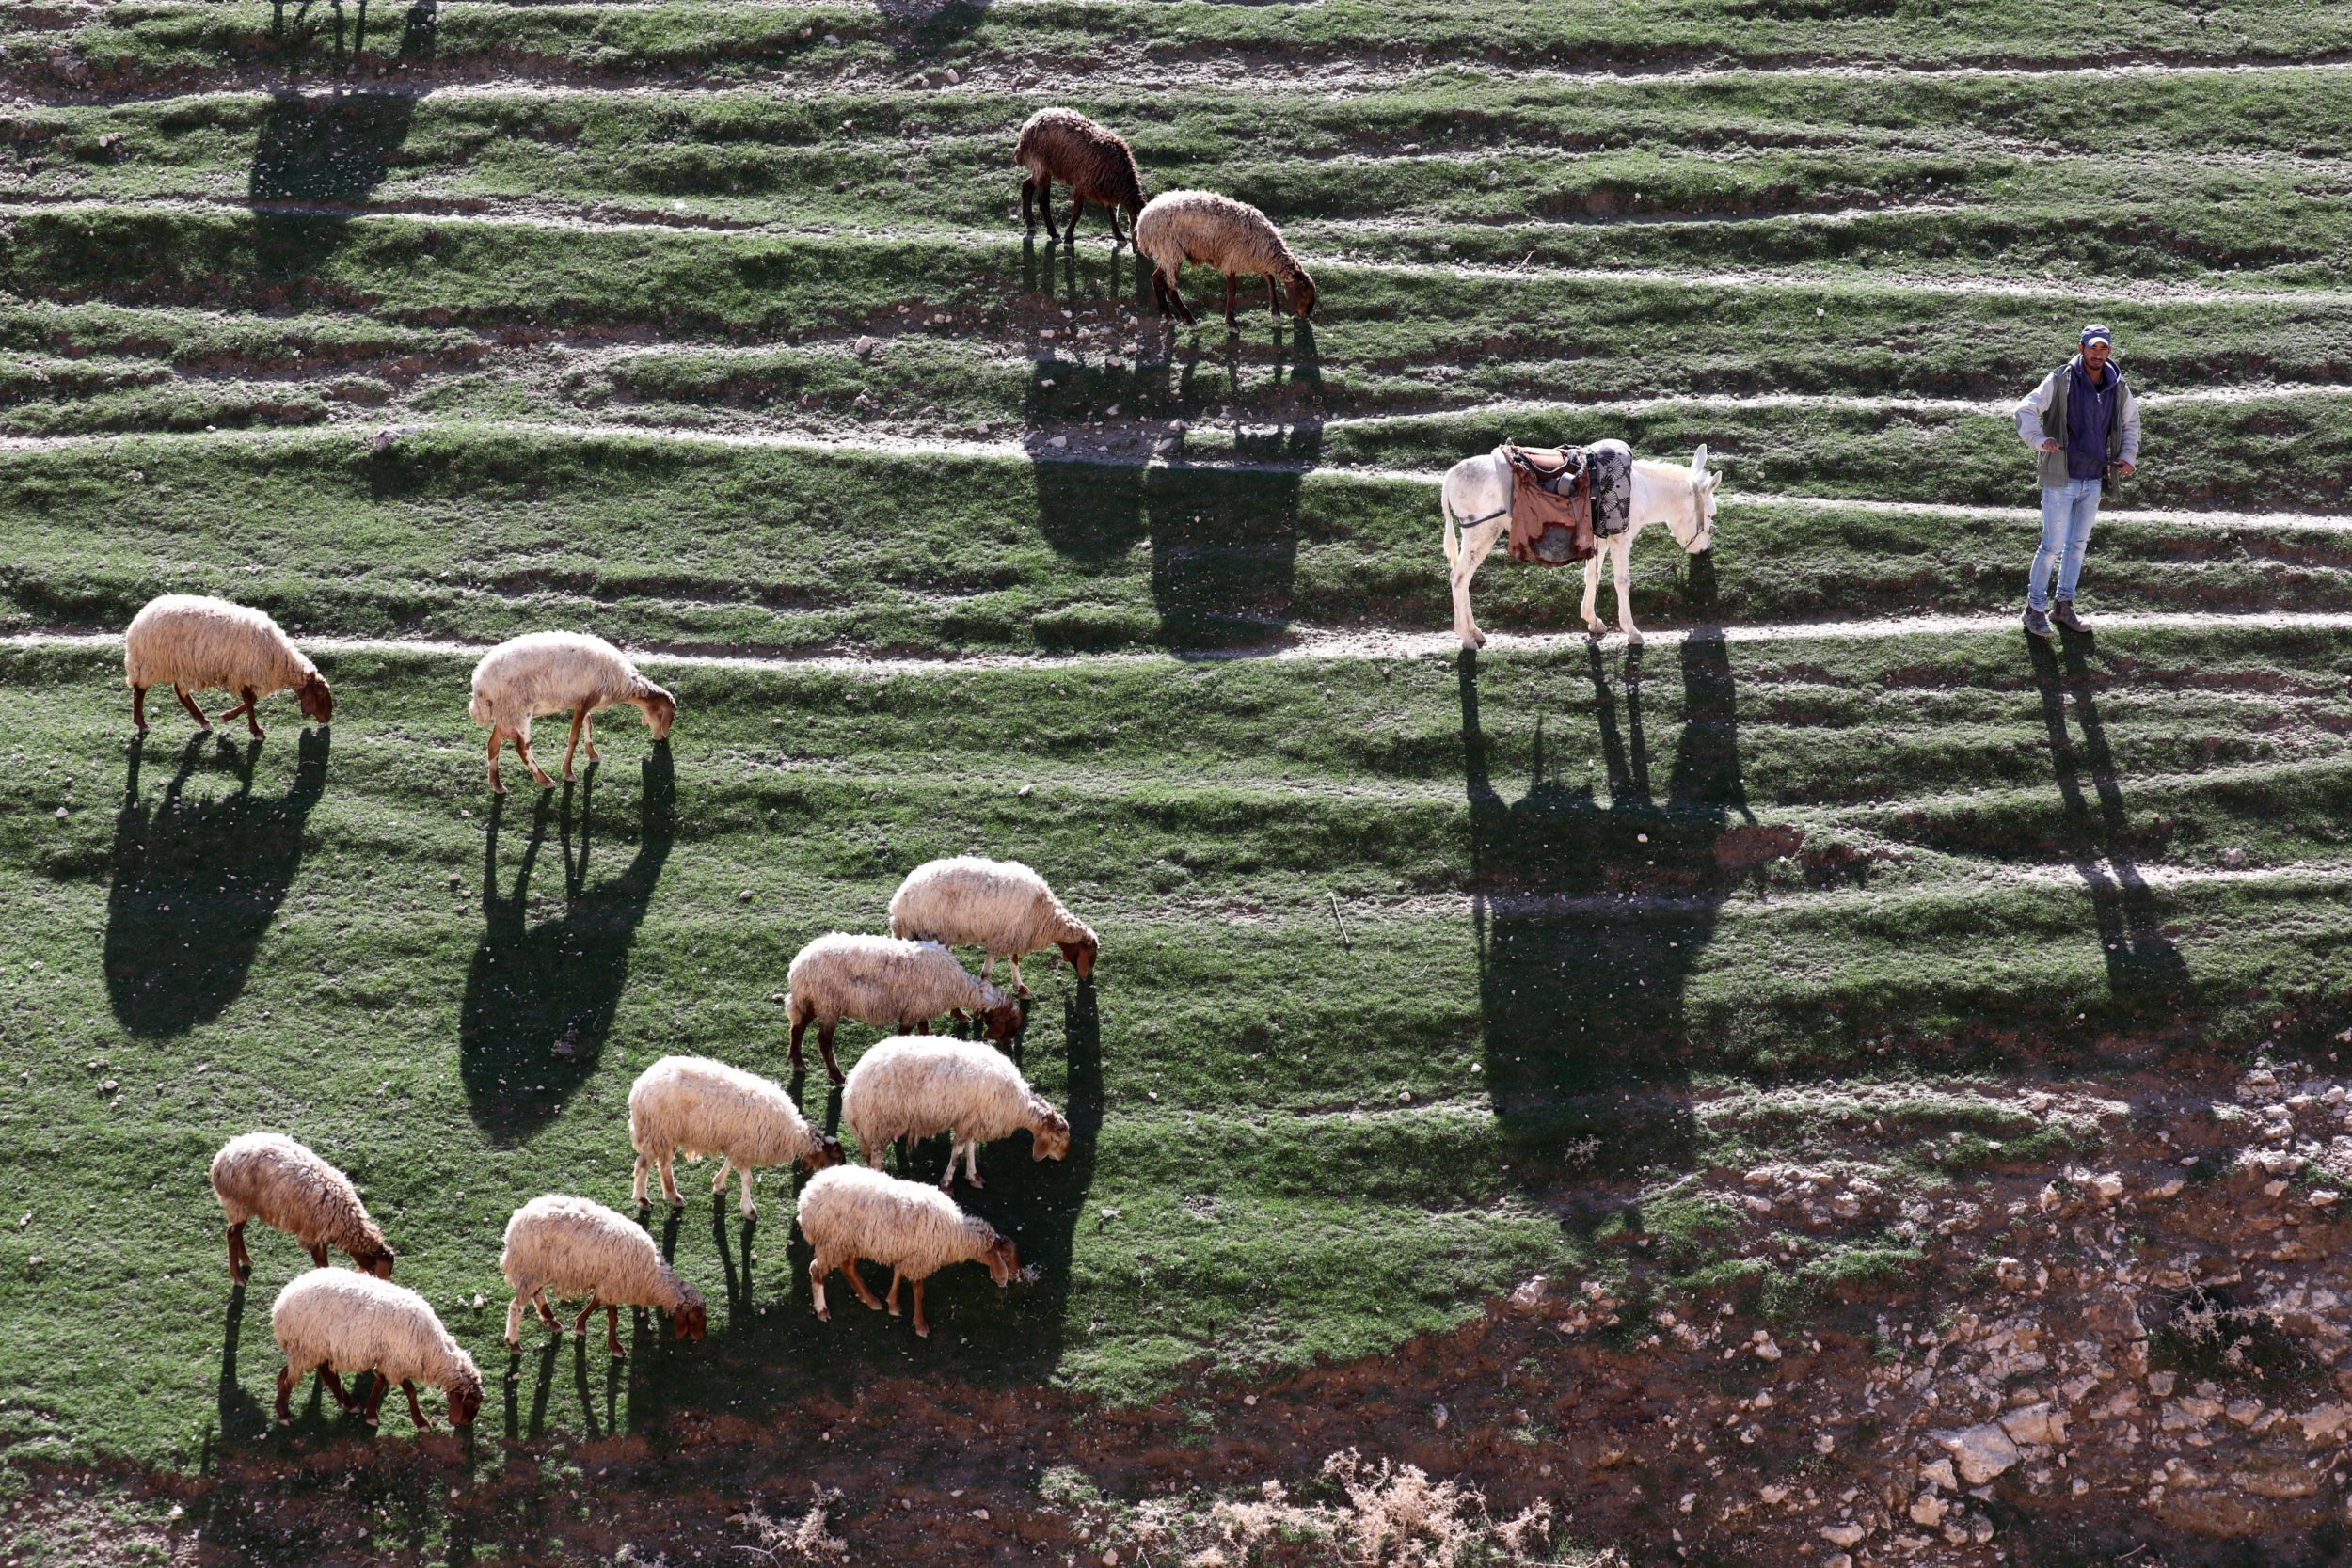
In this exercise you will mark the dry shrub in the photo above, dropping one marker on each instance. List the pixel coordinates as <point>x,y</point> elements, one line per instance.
<point>1393,1517</point>
<point>804,1537</point>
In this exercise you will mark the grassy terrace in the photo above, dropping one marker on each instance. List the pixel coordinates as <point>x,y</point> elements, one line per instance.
<point>348,941</point>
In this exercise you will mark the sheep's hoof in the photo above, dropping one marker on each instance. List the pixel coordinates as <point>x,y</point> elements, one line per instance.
<point>974,1178</point>
<point>515,1345</point>
<point>922,1331</point>
<point>824,1315</point>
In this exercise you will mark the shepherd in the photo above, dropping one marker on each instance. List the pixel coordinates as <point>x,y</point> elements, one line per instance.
<point>1480,495</point>
<point>2082,424</point>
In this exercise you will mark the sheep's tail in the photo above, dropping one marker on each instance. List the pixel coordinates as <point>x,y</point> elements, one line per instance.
<point>478,709</point>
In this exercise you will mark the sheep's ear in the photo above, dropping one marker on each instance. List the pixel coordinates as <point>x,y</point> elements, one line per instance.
<point>1698,459</point>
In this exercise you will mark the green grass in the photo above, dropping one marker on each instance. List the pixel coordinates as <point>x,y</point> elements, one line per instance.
<point>286,920</point>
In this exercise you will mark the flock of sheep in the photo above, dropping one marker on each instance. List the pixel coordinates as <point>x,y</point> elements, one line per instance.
<point>913,1085</point>
<point>1174,227</point>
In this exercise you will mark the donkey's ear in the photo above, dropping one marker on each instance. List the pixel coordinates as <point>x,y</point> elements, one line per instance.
<point>1698,459</point>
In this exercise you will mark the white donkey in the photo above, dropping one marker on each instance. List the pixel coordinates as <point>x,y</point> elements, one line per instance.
<point>1477,492</point>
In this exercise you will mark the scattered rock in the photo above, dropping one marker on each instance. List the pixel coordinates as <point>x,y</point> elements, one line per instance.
<point>2234,858</point>
<point>1939,1474</point>
<point>1530,1296</point>
<point>1981,1452</point>
<point>1928,1510</point>
<point>2325,1425</point>
<point>1842,1535</point>
<point>2035,1423</point>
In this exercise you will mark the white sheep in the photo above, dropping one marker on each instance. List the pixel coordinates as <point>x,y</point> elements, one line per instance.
<point>190,641</point>
<point>558,671</point>
<point>578,1248</point>
<point>1000,906</point>
<point>694,1104</point>
<point>915,1085</point>
<point>339,1322</point>
<point>269,1176</point>
<point>1217,232</point>
<point>914,1228</point>
<point>890,982</point>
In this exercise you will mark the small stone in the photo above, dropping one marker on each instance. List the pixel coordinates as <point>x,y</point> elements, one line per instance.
<point>1761,1343</point>
<point>2270,1188</point>
<point>1939,1474</point>
<point>2323,1197</point>
<point>1981,1452</point>
<point>952,78</point>
<point>1837,1560</point>
<point>1438,1414</point>
<point>1928,1509</point>
<point>2035,1423</point>
<point>865,347</point>
<point>1530,1295</point>
<point>2109,1186</point>
<point>2160,1385</point>
<point>834,40</point>
<point>2244,1413</point>
<point>1842,1535</point>
<point>2234,858</point>
<point>1025,788</point>
<point>1770,1495</point>
<point>1824,1444</point>
<point>1249,1398</point>
<point>981,1513</point>
<point>1058,442</point>
<point>2325,1423</point>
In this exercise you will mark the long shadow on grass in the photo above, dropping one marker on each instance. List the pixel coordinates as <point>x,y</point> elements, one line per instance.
<point>540,998</point>
<point>197,885</point>
<point>1590,914</point>
<point>318,152</point>
<point>2146,975</point>
<point>767,1353</point>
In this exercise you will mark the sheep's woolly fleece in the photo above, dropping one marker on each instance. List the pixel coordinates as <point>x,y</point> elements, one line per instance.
<point>269,1176</point>
<point>575,1247</point>
<point>694,1104</point>
<point>192,640</point>
<point>849,1211</point>
<point>355,1323</point>
<point>915,1086</point>
<point>1001,907</point>
<point>883,980</point>
<point>553,672</point>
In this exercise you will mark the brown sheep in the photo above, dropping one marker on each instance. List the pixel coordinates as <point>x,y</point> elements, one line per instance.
<point>1094,161</point>
<point>1216,231</point>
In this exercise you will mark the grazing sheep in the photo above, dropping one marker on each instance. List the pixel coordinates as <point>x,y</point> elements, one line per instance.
<point>189,641</point>
<point>886,982</point>
<point>1092,160</point>
<point>914,1228</point>
<point>915,1085</point>
<point>340,1322</point>
<point>1217,232</point>
<point>558,671</point>
<point>706,1107</point>
<point>575,1247</point>
<point>272,1177</point>
<point>1001,906</point>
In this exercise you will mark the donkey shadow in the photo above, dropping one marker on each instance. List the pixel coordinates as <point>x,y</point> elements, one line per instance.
<point>1590,914</point>
<point>196,887</point>
<point>540,998</point>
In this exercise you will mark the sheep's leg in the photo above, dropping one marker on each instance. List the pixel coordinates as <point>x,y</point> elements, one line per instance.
<point>1028,199</point>
<point>720,1184</point>
<point>1231,284</point>
<point>1045,199</point>
<point>515,1321</point>
<point>1077,205</point>
<point>1171,301</point>
<point>613,1332</point>
<point>335,1386</point>
<point>287,1378</point>
<point>1117,239</point>
<point>1271,303</point>
<point>1020,986</point>
<point>579,718</point>
<point>669,1179</point>
<point>588,738</point>
<point>375,1401</point>
<point>922,1325</point>
<point>1619,549</point>
<point>818,1269</point>
<point>972,1162</point>
<point>244,708</point>
<point>947,1177</point>
<point>747,1207</point>
<point>644,1162</point>
<point>239,1261</point>
<point>546,1313</point>
<point>988,968</point>
<point>893,1298</point>
<point>497,744</point>
<point>189,703</point>
<point>318,1256</point>
<point>799,1027</point>
<point>416,1411</point>
<point>857,1283</point>
<point>824,1049</point>
<point>522,750</point>
<point>138,707</point>
<point>580,1325</point>
<point>1592,624</point>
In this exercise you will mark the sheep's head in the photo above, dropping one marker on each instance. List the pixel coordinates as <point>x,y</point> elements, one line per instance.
<point>1005,1021</point>
<point>660,711</point>
<point>374,1256</point>
<point>1004,1260</point>
<point>1081,955</point>
<point>465,1399</point>
<point>318,703</point>
<point>825,1155</point>
<point>1302,293</point>
<point>691,1321</point>
<point>1050,1138</point>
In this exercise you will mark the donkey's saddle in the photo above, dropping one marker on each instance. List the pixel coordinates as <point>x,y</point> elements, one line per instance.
<point>1563,499</point>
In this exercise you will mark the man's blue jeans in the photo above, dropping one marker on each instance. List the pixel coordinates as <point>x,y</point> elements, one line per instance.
<point>2067,514</point>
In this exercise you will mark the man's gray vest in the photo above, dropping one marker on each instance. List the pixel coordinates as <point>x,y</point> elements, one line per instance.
<point>2052,464</point>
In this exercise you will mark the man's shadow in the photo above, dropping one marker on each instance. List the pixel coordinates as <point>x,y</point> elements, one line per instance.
<point>2145,975</point>
<point>540,998</point>
<point>197,886</point>
<point>1590,914</point>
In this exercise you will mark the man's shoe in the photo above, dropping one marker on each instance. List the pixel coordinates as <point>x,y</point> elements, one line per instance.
<point>2037,622</point>
<point>2062,613</point>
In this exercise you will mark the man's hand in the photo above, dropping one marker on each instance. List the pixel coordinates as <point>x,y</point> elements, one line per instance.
<point>2126,469</point>
<point>2049,446</point>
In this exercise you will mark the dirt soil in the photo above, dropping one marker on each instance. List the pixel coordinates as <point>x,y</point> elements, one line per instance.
<point>2134,1359</point>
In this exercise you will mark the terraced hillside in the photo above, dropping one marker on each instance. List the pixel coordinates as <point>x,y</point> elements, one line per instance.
<point>1675,1095</point>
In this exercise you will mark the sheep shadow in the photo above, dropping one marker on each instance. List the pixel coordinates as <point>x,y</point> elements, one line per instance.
<point>2145,975</point>
<point>540,998</point>
<point>326,151</point>
<point>1590,913</point>
<point>197,884</point>
<point>1225,542</point>
<point>766,1352</point>
<point>242,1419</point>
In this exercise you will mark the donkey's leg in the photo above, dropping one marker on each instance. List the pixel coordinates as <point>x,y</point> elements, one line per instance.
<point>1476,542</point>
<point>1619,549</point>
<point>1593,624</point>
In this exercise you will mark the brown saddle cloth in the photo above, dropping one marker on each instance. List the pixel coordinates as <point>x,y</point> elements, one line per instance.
<point>1551,504</point>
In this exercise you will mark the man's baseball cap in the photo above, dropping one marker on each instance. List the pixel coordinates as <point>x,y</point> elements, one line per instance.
<point>2094,333</point>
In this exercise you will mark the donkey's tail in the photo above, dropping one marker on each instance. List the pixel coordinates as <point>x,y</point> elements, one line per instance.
<point>1452,544</point>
